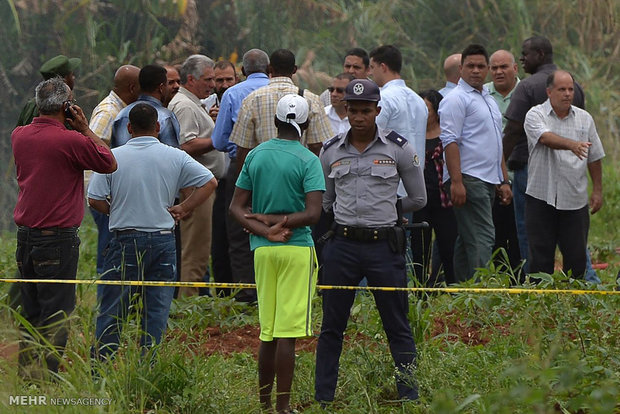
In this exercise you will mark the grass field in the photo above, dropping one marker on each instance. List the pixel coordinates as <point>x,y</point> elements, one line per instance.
<point>477,353</point>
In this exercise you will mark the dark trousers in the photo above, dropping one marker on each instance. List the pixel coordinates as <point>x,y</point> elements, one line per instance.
<point>240,255</point>
<point>506,233</point>
<point>46,254</point>
<point>345,263</point>
<point>135,256</point>
<point>442,221</point>
<point>548,227</point>
<point>219,240</point>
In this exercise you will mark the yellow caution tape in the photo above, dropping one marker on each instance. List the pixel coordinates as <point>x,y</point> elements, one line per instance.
<point>513,291</point>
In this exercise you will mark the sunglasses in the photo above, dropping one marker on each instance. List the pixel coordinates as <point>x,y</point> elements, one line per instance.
<point>339,90</point>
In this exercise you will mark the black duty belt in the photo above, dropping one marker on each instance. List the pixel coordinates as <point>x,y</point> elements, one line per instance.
<point>363,234</point>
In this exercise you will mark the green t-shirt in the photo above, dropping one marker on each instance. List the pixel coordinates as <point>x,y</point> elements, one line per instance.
<point>279,173</point>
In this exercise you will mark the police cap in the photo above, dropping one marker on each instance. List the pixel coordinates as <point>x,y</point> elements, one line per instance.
<point>362,90</point>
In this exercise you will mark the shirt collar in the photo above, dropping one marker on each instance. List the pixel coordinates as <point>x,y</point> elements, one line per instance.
<point>468,88</point>
<point>142,140</point>
<point>190,96</point>
<point>117,99</point>
<point>549,109</point>
<point>393,82</point>
<point>156,102</point>
<point>44,120</point>
<point>491,87</point>
<point>379,136</point>
<point>281,79</point>
<point>257,75</point>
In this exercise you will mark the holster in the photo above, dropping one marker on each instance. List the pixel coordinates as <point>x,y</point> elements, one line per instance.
<point>397,239</point>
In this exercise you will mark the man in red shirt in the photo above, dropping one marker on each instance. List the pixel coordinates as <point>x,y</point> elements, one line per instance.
<point>50,161</point>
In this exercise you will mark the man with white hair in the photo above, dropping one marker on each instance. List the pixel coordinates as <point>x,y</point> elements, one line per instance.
<point>50,161</point>
<point>196,126</point>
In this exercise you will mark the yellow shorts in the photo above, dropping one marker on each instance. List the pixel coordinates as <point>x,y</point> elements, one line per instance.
<point>285,282</point>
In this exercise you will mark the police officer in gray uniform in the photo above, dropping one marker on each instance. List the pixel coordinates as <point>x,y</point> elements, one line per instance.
<point>362,170</point>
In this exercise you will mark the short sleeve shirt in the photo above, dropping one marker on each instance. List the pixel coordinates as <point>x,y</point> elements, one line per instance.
<point>255,119</point>
<point>279,173</point>
<point>559,177</point>
<point>361,188</point>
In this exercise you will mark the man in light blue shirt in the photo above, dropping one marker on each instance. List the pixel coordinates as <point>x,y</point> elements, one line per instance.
<point>471,134</point>
<point>142,218</point>
<point>154,90</point>
<point>402,110</point>
<point>255,63</point>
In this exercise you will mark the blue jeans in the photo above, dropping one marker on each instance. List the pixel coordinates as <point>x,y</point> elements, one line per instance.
<point>47,254</point>
<point>135,255</point>
<point>103,236</point>
<point>345,263</point>
<point>519,185</point>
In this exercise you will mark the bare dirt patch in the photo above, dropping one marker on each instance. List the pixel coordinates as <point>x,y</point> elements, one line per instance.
<point>464,331</point>
<point>214,340</point>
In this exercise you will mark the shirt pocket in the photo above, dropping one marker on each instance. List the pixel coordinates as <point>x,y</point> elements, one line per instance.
<point>340,171</point>
<point>383,171</point>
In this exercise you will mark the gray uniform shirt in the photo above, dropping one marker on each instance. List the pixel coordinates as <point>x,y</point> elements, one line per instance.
<point>361,187</point>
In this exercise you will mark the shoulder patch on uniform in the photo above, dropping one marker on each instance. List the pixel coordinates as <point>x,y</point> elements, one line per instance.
<point>330,142</point>
<point>396,138</point>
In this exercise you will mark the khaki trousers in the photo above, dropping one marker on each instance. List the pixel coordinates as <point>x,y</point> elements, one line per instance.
<point>196,246</point>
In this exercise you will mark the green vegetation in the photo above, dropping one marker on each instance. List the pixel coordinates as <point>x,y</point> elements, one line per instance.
<point>477,353</point>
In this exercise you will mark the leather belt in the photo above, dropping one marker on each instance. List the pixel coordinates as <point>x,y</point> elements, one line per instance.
<point>133,231</point>
<point>48,231</point>
<point>363,234</point>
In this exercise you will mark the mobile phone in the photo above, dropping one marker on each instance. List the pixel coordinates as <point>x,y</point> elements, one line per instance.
<point>68,113</point>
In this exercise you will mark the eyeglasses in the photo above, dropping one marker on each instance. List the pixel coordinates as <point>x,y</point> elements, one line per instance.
<point>339,90</point>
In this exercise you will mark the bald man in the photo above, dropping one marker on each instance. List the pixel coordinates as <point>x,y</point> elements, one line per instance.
<point>451,72</point>
<point>563,148</point>
<point>503,69</point>
<point>125,91</point>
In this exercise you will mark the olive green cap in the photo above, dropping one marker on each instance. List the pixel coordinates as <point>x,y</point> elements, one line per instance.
<point>59,65</point>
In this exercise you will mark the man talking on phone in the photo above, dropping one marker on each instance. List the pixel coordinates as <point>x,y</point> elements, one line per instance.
<point>50,161</point>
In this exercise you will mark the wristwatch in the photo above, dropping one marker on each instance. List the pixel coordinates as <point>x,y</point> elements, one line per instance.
<point>506,182</point>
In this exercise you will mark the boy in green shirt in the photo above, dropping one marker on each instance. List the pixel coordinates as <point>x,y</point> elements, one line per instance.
<point>283,183</point>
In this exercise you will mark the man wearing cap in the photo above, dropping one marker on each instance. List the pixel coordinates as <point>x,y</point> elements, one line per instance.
<point>363,168</point>
<point>283,183</point>
<point>142,218</point>
<point>57,66</point>
<point>50,161</point>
